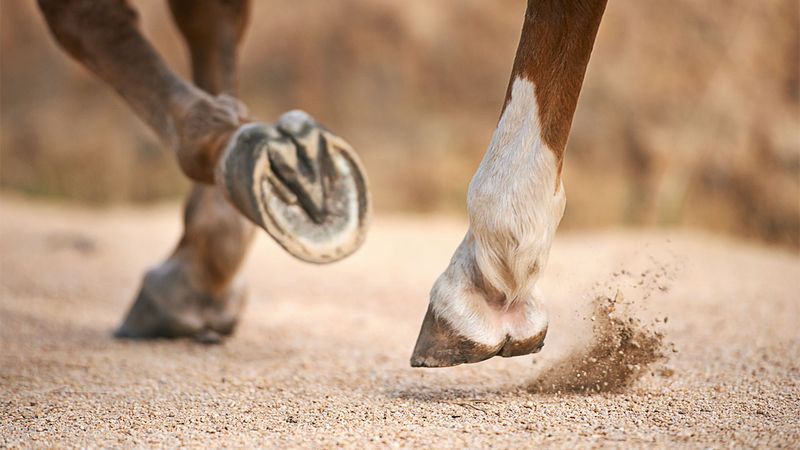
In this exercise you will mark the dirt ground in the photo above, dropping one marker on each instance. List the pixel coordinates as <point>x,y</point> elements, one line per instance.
<point>321,355</point>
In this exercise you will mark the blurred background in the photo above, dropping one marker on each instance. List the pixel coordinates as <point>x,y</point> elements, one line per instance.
<point>689,116</point>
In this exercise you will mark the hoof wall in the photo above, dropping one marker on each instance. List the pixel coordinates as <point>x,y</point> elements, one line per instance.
<point>439,345</point>
<point>167,307</point>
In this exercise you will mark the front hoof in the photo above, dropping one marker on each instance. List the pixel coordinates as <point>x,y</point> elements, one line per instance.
<point>439,345</point>
<point>301,183</point>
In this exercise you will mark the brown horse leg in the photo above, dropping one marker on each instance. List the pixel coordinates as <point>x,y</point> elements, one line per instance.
<point>213,30</point>
<point>301,183</point>
<point>197,291</point>
<point>103,35</point>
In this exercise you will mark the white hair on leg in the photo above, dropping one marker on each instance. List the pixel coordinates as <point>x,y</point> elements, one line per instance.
<point>513,205</point>
<point>487,293</point>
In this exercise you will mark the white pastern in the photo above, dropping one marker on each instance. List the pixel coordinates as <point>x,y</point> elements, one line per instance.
<point>514,209</point>
<point>513,204</point>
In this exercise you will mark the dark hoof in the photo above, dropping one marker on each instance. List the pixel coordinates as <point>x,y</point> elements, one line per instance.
<point>208,337</point>
<point>301,183</point>
<point>439,345</point>
<point>167,307</point>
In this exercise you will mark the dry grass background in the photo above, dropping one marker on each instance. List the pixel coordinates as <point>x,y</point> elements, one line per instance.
<point>689,114</point>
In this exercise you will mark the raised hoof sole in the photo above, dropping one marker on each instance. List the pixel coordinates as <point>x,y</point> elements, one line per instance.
<point>301,183</point>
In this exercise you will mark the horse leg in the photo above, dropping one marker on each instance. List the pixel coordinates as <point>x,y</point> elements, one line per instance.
<point>297,180</point>
<point>196,291</point>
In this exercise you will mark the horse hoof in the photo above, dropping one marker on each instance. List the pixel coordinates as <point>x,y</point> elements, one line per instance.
<point>169,306</point>
<point>440,345</point>
<point>301,183</point>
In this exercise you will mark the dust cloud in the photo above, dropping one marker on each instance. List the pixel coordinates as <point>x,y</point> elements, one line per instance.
<point>620,347</point>
<point>620,351</point>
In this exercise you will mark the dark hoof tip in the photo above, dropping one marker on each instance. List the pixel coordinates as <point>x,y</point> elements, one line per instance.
<point>121,333</point>
<point>439,345</point>
<point>208,337</point>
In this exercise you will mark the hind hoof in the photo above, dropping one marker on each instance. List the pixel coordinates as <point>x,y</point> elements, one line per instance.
<point>168,307</point>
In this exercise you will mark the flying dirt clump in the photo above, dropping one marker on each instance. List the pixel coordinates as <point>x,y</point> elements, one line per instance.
<point>619,352</point>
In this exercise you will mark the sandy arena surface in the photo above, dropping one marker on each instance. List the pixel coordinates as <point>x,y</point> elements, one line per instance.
<point>320,358</point>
